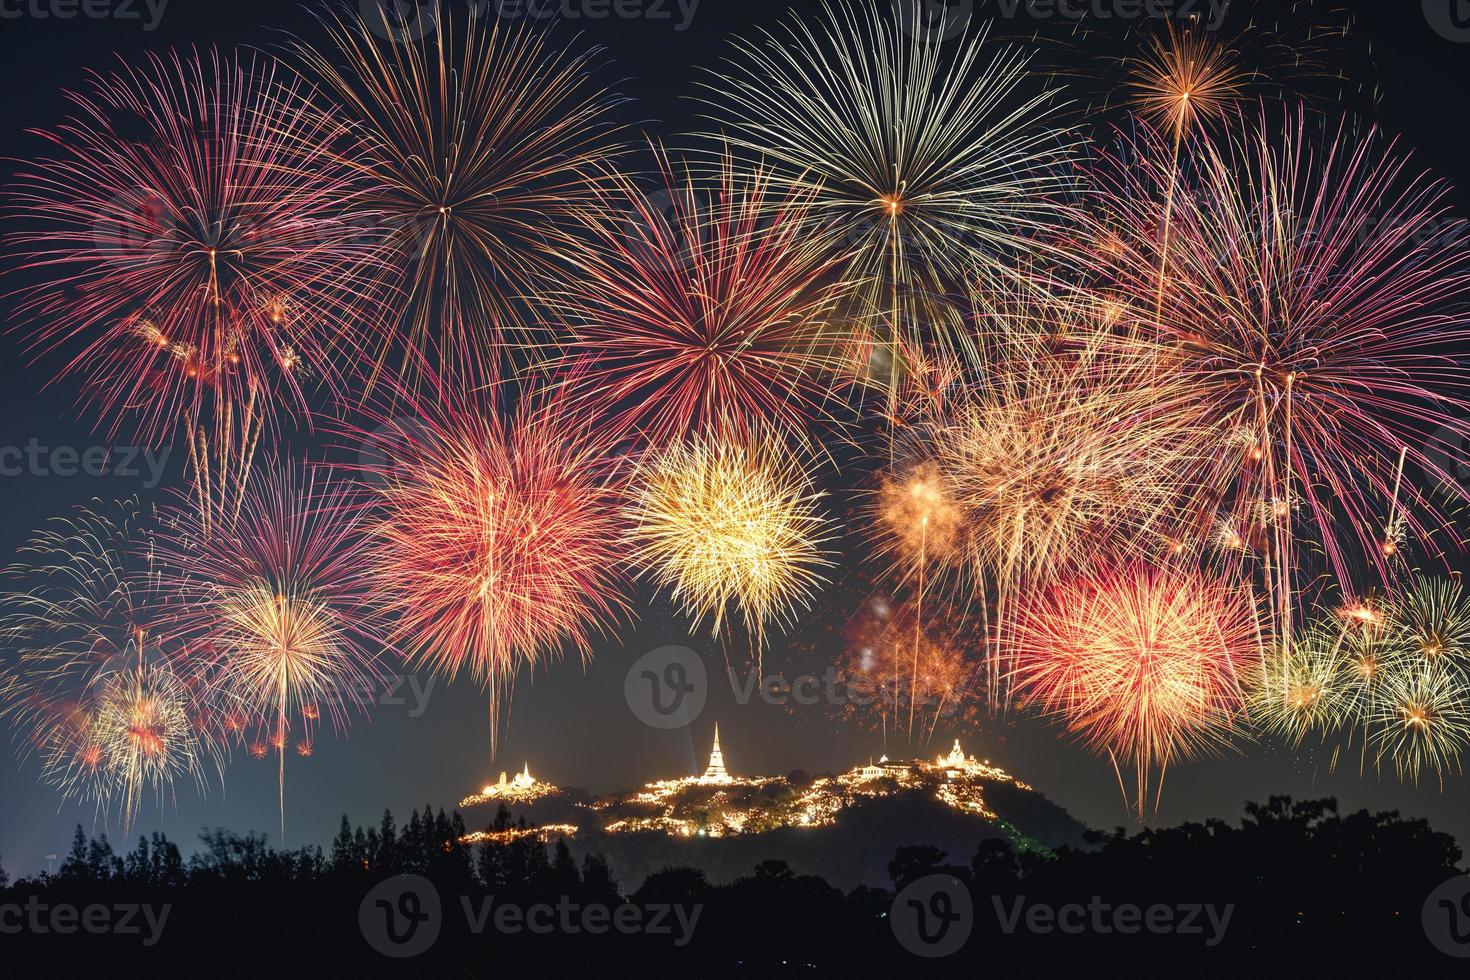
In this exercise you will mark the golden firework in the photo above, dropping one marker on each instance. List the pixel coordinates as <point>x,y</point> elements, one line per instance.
<point>722,524</point>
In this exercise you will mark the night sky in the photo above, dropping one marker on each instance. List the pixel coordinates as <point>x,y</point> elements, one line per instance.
<point>572,724</point>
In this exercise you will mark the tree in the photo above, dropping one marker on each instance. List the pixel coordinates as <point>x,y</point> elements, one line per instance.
<point>597,879</point>
<point>388,855</point>
<point>564,878</point>
<point>102,863</point>
<point>75,865</point>
<point>4,878</point>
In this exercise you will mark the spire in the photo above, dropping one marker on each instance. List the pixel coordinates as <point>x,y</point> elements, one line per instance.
<point>715,771</point>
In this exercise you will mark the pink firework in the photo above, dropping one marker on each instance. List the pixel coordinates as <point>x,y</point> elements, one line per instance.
<point>695,315</point>
<point>1307,292</point>
<point>1143,664</point>
<point>183,243</point>
<point>497,543</point>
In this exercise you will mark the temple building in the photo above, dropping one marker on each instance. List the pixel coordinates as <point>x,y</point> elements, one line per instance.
<point>715,772</point>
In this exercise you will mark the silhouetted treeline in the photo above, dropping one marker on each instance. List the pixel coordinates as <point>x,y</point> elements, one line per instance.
<point>1305,887</point>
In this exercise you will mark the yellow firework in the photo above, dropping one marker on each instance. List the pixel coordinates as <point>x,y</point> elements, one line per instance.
<point>284,644</point>
<point>721,524</point>
<point>1433,622</point>
<point>1311,686</point>
<point>1056,458</point>
<point>140,736</point>
<point>1421,721</point>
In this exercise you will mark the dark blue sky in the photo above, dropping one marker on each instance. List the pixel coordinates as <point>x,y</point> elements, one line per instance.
<point>573,725</point>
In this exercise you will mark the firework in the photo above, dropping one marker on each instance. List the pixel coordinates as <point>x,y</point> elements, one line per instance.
<point>85,681</point>
<point>722,524</point>
<point>925,160</point>
<point>477,139</point>
<point>1433,622</point>
<point>142,733</point>
<point>497,545</point>
<point>905,680</point>
<point>695,316</point>
<point>1421,719</point>
<point>269,595</point>
<point>1313,299</point>
<point>1187,77</point>
<point>188,246</point>
<point>1144,665</point>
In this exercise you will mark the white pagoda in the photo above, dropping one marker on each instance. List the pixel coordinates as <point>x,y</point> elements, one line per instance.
<point>715,772</point>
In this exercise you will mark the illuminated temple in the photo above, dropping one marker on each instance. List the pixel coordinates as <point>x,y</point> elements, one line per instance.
<point>718,804</point>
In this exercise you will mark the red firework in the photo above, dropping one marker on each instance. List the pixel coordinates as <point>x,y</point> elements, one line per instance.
<point>702,316</point>
<point>497,544</point>
<point>184,242</point>
<point>1142,665</point>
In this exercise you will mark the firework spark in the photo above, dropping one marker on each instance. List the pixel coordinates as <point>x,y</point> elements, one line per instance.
<point>702,317</point>
<point>1421,720</point>
<point>497,544</point>
<point>924,160</point>
<point>270,598</point>
<point>1144,665</point>
<point>199,264</point>
<point>722,524</point>
<point>1314,299</point>
<point>477,141</point>
<point>84,680</point>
